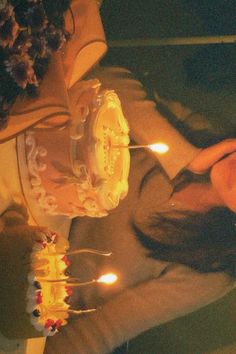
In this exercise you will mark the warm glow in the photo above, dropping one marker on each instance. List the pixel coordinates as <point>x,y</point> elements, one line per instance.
<point>161,148</point>
<point>109,278</point>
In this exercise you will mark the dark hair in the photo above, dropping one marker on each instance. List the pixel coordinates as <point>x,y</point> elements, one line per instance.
<point>205,242</point>
<point>30,30</point>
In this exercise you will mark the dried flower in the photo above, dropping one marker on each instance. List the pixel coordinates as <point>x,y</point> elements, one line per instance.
<point>55,37</point>
<point>23,44</point>
<point>20,68</point>
<point>39,47</point>
<point>32,90</point>
<point>29,31</point>
<point>6,12</point>
<point>9,31</point>
<point>37,17</point>
<point>3,113</point>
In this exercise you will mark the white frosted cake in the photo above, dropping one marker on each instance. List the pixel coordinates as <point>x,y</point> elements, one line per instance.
<point>30,305</point>
<point>81,170</point>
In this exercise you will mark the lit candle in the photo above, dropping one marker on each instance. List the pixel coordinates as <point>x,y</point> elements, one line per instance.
<point>67,282</point>
<point>160,148</point>
<point>108,278</point>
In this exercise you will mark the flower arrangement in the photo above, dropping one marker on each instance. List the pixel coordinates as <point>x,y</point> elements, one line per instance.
<point>30,31</point>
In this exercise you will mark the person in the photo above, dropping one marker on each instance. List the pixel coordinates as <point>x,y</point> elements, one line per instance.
<point>172,238</point>
<point>168,251</point>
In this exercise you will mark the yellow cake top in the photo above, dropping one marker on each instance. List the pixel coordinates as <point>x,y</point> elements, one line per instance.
<point>99,160</point>
<point>112,163</point>
<point>46,299</point>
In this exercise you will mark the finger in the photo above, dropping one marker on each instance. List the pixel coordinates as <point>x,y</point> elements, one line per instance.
<point>211,155</point>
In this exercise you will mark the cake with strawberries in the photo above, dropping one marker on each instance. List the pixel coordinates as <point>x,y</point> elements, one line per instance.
<point>36,291</point>
<point>81,169</point>
<point>33,300</point>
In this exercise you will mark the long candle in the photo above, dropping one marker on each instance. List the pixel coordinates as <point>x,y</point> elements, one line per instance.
<point>160,148</point>
<point>71,311</point>
<point>78,284</point>
<point>82,250</point>
<point>78,312</point>
<point>68,282</point>
<point>108,278</point>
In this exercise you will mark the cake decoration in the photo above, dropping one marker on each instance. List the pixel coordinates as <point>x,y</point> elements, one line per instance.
<point>50,289</point>
<point>42,297</point>
<point>40,281</point>
<point>78,162</point>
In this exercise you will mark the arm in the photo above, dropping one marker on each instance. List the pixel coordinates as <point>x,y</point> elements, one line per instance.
<point>178,292</point>
<point>147,125</point>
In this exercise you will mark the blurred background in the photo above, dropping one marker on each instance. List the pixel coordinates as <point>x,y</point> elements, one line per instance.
<point>203,78</point>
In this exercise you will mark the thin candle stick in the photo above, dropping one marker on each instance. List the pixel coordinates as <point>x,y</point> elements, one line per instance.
<point>89,250</point>
<point>61,280</point>
<point>130,146</point>
<point>108,278</point>
<point>75,285</point>
<point>82,250</point>
<point>75,312</point>
<point>159,147</point>
<point>69,282</point>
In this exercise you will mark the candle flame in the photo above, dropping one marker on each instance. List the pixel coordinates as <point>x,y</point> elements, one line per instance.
<point>161,148</point>
<point>109,278</point>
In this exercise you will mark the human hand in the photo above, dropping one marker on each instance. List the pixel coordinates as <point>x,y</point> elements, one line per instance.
<point>211,155</point>
<point>14,229</point>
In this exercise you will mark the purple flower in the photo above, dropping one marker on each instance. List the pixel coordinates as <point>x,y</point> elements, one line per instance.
<point>37,17</point>
<point>20,68</point>
<point>39,47</point>
<point>9,28</point>
<point>27,39</point>
<point>9,32</point>
<point>5,13</point>
<point>3,117</point>
<point>55,37</point>
<point>23,44</point>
